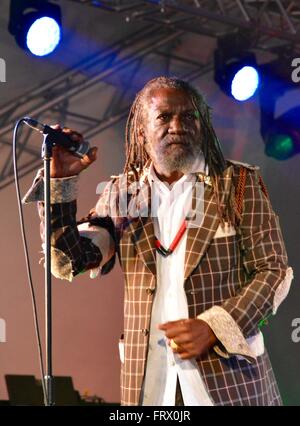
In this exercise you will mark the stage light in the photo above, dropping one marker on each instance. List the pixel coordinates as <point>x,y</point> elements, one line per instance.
<point>245,83</point>
<point>280,146</point>
<point>236,70</point>
<point>43,36</point>
<point>280,112</point>
<point>282,135</point>
<point>36,25</point>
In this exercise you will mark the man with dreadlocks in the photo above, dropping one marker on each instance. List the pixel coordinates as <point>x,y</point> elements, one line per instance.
<point>196,291</point>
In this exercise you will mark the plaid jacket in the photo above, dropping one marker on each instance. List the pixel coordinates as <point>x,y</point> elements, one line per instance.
<point>233,280</point>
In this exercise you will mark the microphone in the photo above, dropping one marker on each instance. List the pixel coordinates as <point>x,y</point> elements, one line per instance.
<point>79,149</point>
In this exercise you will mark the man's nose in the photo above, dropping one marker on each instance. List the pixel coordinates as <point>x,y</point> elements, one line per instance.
<point>177,126</point>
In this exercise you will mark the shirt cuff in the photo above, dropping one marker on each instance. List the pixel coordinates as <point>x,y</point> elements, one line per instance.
<point>63,190</point>
<point>101,238</point>
<point>231,339</point>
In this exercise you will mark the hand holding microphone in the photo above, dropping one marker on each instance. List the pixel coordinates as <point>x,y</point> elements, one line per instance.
<point>70,154</point>
<point>64,163</point>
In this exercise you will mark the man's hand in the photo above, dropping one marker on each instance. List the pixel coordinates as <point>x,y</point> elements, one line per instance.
<point>194,337</point>
<point>64,163</point>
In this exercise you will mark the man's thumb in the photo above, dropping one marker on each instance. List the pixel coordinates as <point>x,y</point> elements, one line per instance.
<point>92,154</point>
<point>90,157</point>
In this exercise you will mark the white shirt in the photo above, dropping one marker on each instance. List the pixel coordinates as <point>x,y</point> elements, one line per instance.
<point>169,209</point>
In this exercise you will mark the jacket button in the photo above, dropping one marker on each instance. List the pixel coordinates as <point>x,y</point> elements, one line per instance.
<point>145,331</point>
<point>150,291</point>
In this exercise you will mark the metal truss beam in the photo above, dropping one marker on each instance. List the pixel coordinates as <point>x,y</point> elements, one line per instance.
<point>274,24</point>
<point>113,73</point>
<point>243,15</point>
<point>278,20</point>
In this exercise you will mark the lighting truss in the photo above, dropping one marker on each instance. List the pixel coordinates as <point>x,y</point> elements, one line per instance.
<point>272,23</point>
<point>112,75</point>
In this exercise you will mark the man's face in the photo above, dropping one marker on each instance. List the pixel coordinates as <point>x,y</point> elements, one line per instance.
<point>171,129</point>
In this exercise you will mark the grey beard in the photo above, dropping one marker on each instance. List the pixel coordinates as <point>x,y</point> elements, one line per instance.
<point>181,162</point>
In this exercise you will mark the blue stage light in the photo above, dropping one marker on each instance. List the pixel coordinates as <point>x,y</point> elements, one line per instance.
<point>36,25</point>
<point>236,71</point>
<point>43,36</point>
<point>237,77</point>
<point>245,83</point>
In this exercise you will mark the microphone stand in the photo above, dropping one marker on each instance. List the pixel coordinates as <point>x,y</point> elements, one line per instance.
<point>49,381</point>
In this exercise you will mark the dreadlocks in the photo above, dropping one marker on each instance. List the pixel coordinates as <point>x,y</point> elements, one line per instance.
<point>136,155</point>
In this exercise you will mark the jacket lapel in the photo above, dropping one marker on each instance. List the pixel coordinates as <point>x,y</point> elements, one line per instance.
<point>142,227</point>
<point>199,237</point>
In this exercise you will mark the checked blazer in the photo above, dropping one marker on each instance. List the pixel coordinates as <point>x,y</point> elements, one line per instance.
<point>232,280</point>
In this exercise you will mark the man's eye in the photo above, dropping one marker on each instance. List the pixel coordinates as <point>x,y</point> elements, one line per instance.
<point>164,117</point>
<point>190,116</point>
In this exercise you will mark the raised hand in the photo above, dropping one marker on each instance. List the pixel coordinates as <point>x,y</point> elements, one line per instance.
<point>64,163</point>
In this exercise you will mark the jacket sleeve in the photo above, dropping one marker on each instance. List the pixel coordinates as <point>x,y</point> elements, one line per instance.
<point>266,265</point>
<point>76,246</point>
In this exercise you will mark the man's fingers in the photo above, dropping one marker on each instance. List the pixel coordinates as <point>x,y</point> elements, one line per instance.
<point>179,338</point>
<point>186,355</point>
<point>92,154</point>
<point>174,329</point>
<point>162,326</point>
<point>56,127</point>
<point>75,136</point>
<point>171,324</point>
<point>186,351</point>
<point>189,350</point>
<point>181,345</point>
<point>90,157</point>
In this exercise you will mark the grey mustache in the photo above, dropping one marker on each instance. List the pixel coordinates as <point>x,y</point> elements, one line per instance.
<point>178,143</point>
<point>182,141</point>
